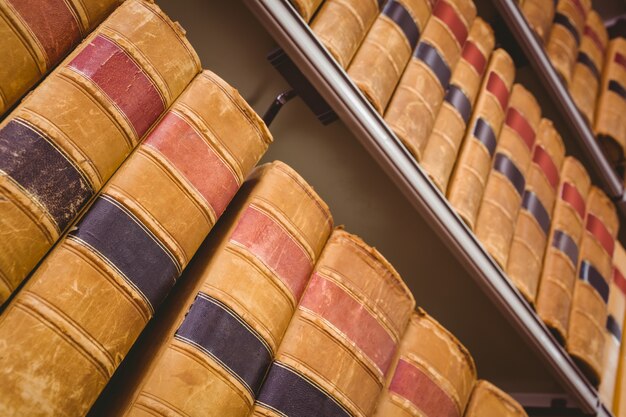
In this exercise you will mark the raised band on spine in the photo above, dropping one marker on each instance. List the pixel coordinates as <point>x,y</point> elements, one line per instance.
<point>446,13</point>
<point>584,59</point>
<point>431,57</point>
<point>545,162</point>
<point>506,167</point>
<point>617,88</point>
<point>561,19</point>
<point>564,243</point>
<point>485,135</point>
<point>474,56</point>
<point>596,227</point>
<point>401,17</point>
<point>571,195</point>
<point>593,277</point>
<point>612,326</point>
<point>457,99</point>
<point>589,32</point>
<point>497,87</point>
<point>516,121</point>
<point>533,205</point>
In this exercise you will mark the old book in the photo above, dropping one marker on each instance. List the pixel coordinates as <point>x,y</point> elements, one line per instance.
<point>306,8</point>
<point>505,186</point>
<point>585,338</point>
<point>558,276</point>
<point>65,140</point>
<point>415,103</point>
<point>614,326</point>
<point>490,401</point>
<point>533,223</point>
<point>451,123</point>
<point>586,77</point>
<point>36,35</point>
<point>610,124</point>
<point>341,341</point>
<point>341,25</point>
<point>432,373</point>
<point>565,35</point>
<point>67,330</point>
<point>539,14</point>
<point>467,184</point>
<point>381,59</point>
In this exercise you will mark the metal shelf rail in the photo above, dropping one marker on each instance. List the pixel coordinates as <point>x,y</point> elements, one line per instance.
<point>294,36</point>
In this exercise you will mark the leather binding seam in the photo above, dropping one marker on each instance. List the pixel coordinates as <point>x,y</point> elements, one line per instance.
<point>475,57</point>
<point>548,168</point>
<point>484,134</point>
<point>617,88</point>
<point>398,14</point>
<point>433,60</point>
<point>516,121</point>
<point>612,326</point>
<point>589,274</point>
<point>448,15</point>
<point>564,243</point>
<point>593,35</point>
<point>564,21</point>
<point>506,167</point>
<point>459,101</point>
<point>571,196</point>
<point>498,88</point>
<point>144,398</point>
<point>533,205</point>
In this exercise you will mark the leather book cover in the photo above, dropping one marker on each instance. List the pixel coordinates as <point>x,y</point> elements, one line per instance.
<point>539,15</point>
<point>341,341</point>
<point>504,191</point>
<point>432,374</point>
<point>36,35</point>
<point>341,25</point>
<point>451,123</point>
<point>565,35</point>
<point>490,401</point>
<point>415,103</point>
<point>585,338</point>
<point>558,276</point>
<point>610,124</point>
<point>381,59</point>
<point>119,82</point>
<point>533,222</point>
<point>467,184</point>
<point>306,8</point>
<point>68,329</point>
<point>586,77</point>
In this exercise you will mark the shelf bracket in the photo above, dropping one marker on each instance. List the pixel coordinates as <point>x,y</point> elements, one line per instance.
<point>278,103</point>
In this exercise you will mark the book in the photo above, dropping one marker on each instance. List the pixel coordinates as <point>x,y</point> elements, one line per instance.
<point>341,341</point>
<point>415,103</point>
<point>341,25</point>
<point>451,123</point>
<point>585,337</point>
<point>65,140</point>
<point>533,223</point>
<point>539,15</point>
<point>558,276</point>
<point>587,73</point>
<point>36,36</point>
<point>565,35</point>
<point>432,373</point>
<point>504,191</point>
<point>306,8</point>
<point>467,184</point>
<point>70,326</point>
<point>490,401</point>
<point>381,59</point>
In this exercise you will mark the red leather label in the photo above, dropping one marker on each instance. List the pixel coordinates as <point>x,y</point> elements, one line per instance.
<point>545,162</point>
<point>474,57</point>
<point>619,280</point>
<point>580,9</point>
<point>620,59</point>
<point>498,88</point>
<point>122,80</point>
<point>589,32</point>
<point>446,13</point>
<point>596,227</point>
<point>516,121</point>
<point>571,195</point>
<point>192,156</point>
<point>330,301</point>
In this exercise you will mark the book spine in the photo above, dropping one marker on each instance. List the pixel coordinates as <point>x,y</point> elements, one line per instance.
<point>125,254</point>
<point>533,223</point>
<point>381,59</point>
<point>432,373</point>
<point>585,339</point>
<point>556,286</point>
<point>415,103</point>
<point>539,14</point>
<point>504,191</point>
<point>354,310</point>
<point>489,400</point>
<point>449,129</point>
<point>306,8</point>
<point>36,35</point>
<point>469,177</point>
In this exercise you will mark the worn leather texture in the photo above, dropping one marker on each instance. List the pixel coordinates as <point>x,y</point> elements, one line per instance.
<point>450,125</point>
<point>504,191</point>
<point>341,341</point>
<point>415,103</point>
<point>558,276</point>
<point>432,373</point>
<point>306,8</point>
<point>381,59</point>
<point>533,222</point>
<point>120,81</point>
<point>539,14</point>
<point>71,325</point>
<point>489,401</point>
<point>341,25</point>
<point>467,184</point>
<point>36,35</point>
<point>585,339</point>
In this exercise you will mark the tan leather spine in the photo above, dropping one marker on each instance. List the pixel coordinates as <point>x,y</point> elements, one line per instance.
<point>432,371</point>
<point>489,401</point>
<point>539,14</point>
<point>381,59</point>
<point>495,224</point>
<point>556,286</point>
<point>77,317</point>
<point>449,129</point>
<point>530,239</point>
<point>306,8</point>
<point>415,103</point>
<point>467,184</point>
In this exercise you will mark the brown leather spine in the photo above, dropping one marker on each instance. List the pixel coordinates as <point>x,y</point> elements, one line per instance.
<point>531,236</point>
<point>539,14</point>
<point>84,307</point>
<point>431,373</point>
<point>306,8</point>
<point>495,224</point>
<point>489,401</point>
<point>449,129</point>
<point>465,191</point>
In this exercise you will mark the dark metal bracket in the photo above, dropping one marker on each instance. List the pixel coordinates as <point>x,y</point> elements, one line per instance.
<point>278,103</point>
